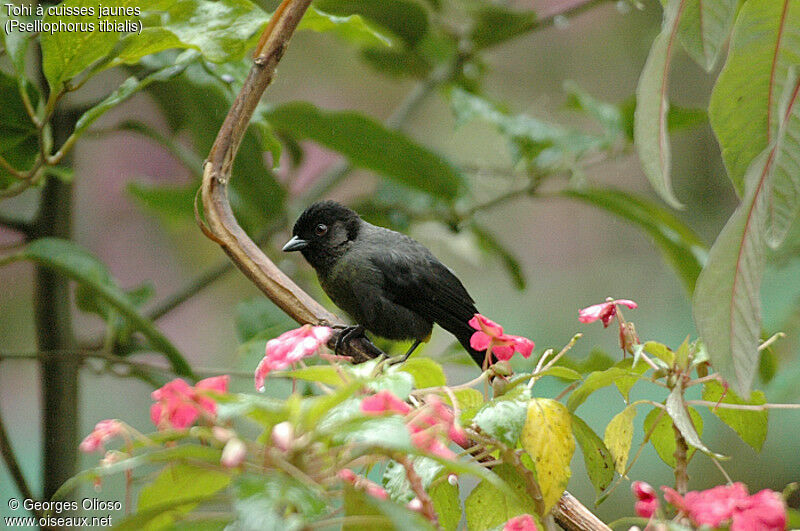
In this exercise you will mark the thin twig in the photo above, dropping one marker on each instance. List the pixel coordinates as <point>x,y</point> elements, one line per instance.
<point>743,407</point>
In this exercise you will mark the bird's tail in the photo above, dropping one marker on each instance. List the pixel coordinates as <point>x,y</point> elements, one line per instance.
<point>463,333</point>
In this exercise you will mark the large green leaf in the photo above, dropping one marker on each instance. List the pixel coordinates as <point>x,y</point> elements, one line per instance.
<point>744,104</point>
<point>493,24</point>
<point>619,436</point>
<point>662,435</point>
<point>386,514</point>
<point>178,483</point>
<point>704,27</point>
<point>405,18</point>
<point>370,145</point>
<point>784,202</point>
<point>65,54</point>
<point>447,504</point>
<point>679,413</point>
<point>69,259</point>
<point>596,456</point>
<point>487,506</point>
<point>598,380</point>
<point>18,136</point>
<point>425,371</point>
<point>504,417</point>
<point>750,425</point>
<point>727,305</point>
<point>680,245</point>
<point>651,136</point>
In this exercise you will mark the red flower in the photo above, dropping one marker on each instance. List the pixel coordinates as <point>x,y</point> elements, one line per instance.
<point>382,402</point>
<point>523,522</point>
<point>178,404</point>
<point>604,311</point>
<point>490,337</point>
<point>103,430</point>
<point>647,502</point>
<point>289,348</point>
<point>764,511</point>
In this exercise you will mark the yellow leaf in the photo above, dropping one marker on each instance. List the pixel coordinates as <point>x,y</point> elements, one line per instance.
<point>618,437</point>
<point>547,437</point>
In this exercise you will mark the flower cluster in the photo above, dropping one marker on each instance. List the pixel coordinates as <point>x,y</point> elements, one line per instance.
<point>428,425</point>
<point>289,348</point>
<point>178,404</point>
<point>102,432</point>
<point>489,336</point>
<point>763,511</point>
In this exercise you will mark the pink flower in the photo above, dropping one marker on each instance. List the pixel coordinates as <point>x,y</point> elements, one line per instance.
<point>382,402</point>
<point>490,337</point>
<point>370,487</point>
<point>647,502</point>
<point>283,436</point>
<point>178,404</point>
<point>103,431</point>
<point>604,311</point>
<point>762,511</point>
<point>523,522</point>
<point>289,348</point>
<point>233,453</point>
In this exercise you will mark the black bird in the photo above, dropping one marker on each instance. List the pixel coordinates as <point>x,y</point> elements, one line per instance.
<point>390,284</point>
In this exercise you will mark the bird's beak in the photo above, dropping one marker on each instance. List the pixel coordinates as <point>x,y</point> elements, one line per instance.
<point>295,244</point>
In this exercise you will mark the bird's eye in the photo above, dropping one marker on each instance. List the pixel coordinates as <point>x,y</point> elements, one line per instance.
<point>321,229</point>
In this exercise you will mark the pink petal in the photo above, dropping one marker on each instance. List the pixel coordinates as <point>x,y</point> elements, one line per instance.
<point>382,402</point>
<point>626,302</point>
<point>479,341</point>
<point>485,325</point>
<point>523,345</point>
<point>156,412</point>
<point>646,508</point>
<point>592,313</point>
<point>183,416</point>
<point>643,491</point>
<point>215,383</point>
<point>503,352</point>
<point>523,522</point>
<point>262,370</point>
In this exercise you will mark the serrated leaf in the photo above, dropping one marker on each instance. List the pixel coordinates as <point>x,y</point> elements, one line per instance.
<point>681,247</point>
<point>704,27</point>
<point>650,119</point>
<point>504,417</point>
<point>750,425</point>
<point>744,106</point>
<point>180,482</point>
<point>596,456</point>
<point>547,437</point>
<point>677,410</point>
<point>487,506</point>
<point>370,145</point>
<point>663,436</point>
<point>619,436</point>
<point>727,305</point>
<point>67,258</point>
<point>425,371</point>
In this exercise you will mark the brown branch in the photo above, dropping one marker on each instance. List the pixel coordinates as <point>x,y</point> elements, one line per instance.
<point>222,225</point>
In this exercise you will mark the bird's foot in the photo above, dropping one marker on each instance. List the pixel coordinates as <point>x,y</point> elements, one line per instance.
<point>347,334</point>
<point>404,357</point>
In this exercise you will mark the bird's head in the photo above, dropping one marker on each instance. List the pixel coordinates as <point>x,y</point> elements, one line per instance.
<point>323,232</point>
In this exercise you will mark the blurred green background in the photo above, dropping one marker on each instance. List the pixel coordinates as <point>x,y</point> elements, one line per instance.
<point>571,254</point>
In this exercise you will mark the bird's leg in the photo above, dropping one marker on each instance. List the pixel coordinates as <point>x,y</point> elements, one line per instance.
<point>348,334</point>
<point>407,354</point>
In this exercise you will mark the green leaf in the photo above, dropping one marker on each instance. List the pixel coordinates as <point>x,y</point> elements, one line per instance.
<point>727,305</point>
<point>503,418</point>
<point>626,383</point>
<point>275,501</point>
<point>678,118</point>
<point>65,54</point>
<point>784,201</point>
<point>493,24</point>
<point>387,515</point>
<point>176,483</point>
<point>596,456</point>
<point>744,106</point>
<point>425,371</point>
<point>400,383</point>
<point>593,382</point>
<point>19,143</point>
<point>619,436</point>
<point>677,410</point>
<point>564,373</point>
<point>487,506</point>
<point>663,436</point>
<point>174,205</point>
<point>131,86</point>
<point>489,243</point>
<point>447,504</point>
<point>314,409</point>
<point>352,28</point>
<point>609,116</point>
<point>537,143</point>
<point>405,18</point>
<point>259,317</point>
<point>681,247</point>
<point>704,27</point>
<point>15,43</point>
<point>650,119</point>
<point>370,145</point>
<point>750,425</point>
<point>660,351</point>
<point>324,374</point>
<point>69,259</point>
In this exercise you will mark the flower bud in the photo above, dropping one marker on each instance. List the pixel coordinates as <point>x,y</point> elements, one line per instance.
<point>283,436</point>
<point>233,453</point>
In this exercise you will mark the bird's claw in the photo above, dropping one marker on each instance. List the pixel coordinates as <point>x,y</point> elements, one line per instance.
<point>348,334</point>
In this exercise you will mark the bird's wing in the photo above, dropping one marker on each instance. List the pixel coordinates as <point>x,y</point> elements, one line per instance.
<point>418,281</point>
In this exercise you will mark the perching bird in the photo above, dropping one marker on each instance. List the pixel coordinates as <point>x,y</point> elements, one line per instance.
<point>390,284</point>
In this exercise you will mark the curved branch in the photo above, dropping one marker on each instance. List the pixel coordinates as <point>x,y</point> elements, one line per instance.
<point>222,225</point>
